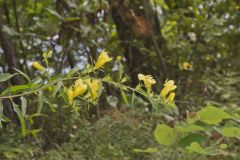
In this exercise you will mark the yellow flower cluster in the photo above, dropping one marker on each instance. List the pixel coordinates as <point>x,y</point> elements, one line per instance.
<point>81,86</point>
<point>38,66</point>
<point>168,86</point>
<point>147,80</point>
<point>102,59</point>
<point>93,85</point>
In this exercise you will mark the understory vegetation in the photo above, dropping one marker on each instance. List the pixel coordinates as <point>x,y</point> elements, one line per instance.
<point>119,80</point>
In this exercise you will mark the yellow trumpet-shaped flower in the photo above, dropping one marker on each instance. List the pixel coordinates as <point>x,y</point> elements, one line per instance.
<point>93,86</point>
<point>38,66</point>
<point>102,59</point>
<point>70,95</point>
<point>79,88</point>
<point>168,87</point>
<point>148,81</point>
<point>171,97</point>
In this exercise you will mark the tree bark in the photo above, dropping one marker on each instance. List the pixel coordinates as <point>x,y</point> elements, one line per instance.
<point>134,25</point>
<point>10,53</point>
<point>12,61</point>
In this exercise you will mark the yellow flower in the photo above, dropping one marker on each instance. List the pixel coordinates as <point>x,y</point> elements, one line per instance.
<point>148,81</point>
<point>70,95</point>
<point>168,87</point>
<point>93,86</point>
<point>79,88</point>
<point>38,66</point>
<point>102,59</point>
<point>186,66</point>
<point>171,97</point>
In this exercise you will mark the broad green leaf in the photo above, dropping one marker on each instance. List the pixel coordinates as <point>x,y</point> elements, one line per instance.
<point>231,132</point>
<point>40,101</point>
<point>6,76</point>
<point>186,141</point>
<point>147,150</point>
<point>20,117</point>
<point>23,105</point>
<point>212,115</point>
<point>189,128</point>
<point>165,135</point>
<point>196,148</point>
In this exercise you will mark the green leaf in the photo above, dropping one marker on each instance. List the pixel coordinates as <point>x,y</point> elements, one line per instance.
<point>120,70</point>
<point>189,128</point>
<point>212,115</point>
<point>6,76</point>
<point>20,88</point>
<point>50,104</point>
<point>187,140</point>
<point>124,97</point>
<point>20,117</point>
<point>53,12</point>
<point>57,88</point>
<point>196,148</point>
<point>133,98</point>
<point>165,135</point>
<point>147,150</point>
<point>23,74</point>
<point>40,101</point>
<point>71,19</point>
<point>1,113</point>
<point>162,4</point>
<point>23,105</point>
<point>72,71</point>
<point>230,132</point>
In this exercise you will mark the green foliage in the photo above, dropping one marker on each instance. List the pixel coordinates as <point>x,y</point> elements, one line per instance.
<point>165,135</point>
<point>196,148</point>
<point>212,115</point>
<point>196,43</point>
<point>230,132</point>
<point>6,76</point>
<point>190,135</point>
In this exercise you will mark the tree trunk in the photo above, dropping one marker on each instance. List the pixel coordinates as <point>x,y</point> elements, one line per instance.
<point>135,25</point>
<point>12,61</point>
